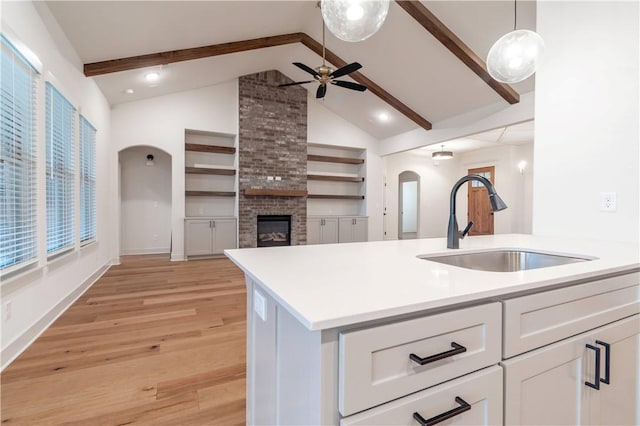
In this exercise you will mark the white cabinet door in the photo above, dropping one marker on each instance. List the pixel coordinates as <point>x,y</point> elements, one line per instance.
<point>352,229</point>
<point>329,231</point>
<point>618,402</point>
<point>474,399</point>
<point>313,230</point>
<point>345,229</point>
<point>199,240</point>
<point>548,386</point>
<point>361,229</point>
<point>224,235</point>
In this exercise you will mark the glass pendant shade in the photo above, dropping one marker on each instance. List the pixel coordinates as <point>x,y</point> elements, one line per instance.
<point>354,20</point>
<point>514,56</point>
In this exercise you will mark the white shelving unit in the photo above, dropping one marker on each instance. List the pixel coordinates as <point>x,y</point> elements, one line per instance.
<point>336,181</point>
<point>210,174</point>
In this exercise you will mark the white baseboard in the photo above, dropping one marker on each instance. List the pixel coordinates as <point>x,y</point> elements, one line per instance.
<point>22,342</point>
<point>176,257</point>
<point>157,250</point>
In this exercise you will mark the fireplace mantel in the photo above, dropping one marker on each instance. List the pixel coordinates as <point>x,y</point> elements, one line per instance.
<point>274,192</point>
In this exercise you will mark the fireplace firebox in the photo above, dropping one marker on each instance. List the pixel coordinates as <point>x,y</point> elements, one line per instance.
<point>274,230</point>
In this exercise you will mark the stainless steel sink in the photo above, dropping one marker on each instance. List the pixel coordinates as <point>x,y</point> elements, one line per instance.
<point>508,260</point>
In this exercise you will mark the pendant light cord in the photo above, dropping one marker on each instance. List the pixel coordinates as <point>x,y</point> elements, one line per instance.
<point>515,14</point>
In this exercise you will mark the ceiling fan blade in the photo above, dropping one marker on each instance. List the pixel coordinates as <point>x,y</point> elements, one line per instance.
<point>349,85</point>
<point>322,90</point>
<point>347,69</point>
<point>296,83</point>
<point>307,69</point>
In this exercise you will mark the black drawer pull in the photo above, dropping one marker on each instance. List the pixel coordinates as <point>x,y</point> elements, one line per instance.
<point>607,361</point>
<point>464,406</point>
<point>457,349</point>
<point>596,384</point>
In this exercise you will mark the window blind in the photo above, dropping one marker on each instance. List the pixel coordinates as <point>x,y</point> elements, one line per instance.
<point>87,181</point>
<point>60,128</point>
<point>18,241</point>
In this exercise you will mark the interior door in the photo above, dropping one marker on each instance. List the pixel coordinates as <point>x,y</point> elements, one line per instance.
<point>479,209</point>
<point>408,205</point>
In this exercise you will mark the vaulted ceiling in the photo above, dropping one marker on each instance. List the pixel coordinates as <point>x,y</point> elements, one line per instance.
<point>403,59</point>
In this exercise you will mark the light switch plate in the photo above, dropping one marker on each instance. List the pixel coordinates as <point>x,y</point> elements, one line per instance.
<point>260,305</point>
<point>608,202</point>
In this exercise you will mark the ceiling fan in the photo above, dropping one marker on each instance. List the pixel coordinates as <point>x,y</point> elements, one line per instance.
<point>326,75</point>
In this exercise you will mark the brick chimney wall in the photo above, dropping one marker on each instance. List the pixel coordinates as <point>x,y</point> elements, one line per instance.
<point>272,142</point>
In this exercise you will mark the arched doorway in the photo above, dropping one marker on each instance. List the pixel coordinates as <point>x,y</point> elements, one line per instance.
<point>145,200</point>
<point>408,205</point>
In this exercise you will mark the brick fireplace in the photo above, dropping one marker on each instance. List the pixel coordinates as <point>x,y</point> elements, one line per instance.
<point>272,142</point>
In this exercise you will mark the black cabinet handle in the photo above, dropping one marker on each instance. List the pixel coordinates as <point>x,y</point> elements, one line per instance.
<point>464,406</point>
<point>596,384</point>
<point>457,349</point>
<point>607,361</point>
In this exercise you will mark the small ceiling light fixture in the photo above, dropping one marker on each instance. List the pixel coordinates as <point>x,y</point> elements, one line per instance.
<point>514,57</point>
<point>442,154</point>
<point>354,20</point>
<point>152,76</point>
<point>383,116</point>
<point>128,91</point>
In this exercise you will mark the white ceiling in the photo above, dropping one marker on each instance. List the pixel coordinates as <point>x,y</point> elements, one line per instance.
<point>517,134</point>
<point>403,58</point>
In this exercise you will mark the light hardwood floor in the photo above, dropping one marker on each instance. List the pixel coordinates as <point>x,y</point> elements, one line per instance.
<point>152,342</point>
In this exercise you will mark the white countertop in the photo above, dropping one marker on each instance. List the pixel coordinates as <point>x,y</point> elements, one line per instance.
<point>332,285</point>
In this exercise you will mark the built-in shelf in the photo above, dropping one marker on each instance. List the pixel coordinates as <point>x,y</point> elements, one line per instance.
<point>209,171</point>
<point>341,160</point>
<point>216,149</point>
<point>275,192</point>
<point>334,178</point>
<point>210,193</point>
<point>336,197</point>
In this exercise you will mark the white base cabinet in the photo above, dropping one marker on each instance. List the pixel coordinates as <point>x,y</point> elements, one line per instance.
<point>353,229</point>
<point>337,229</point>
<point>209,236</point>
<point>563,383</point>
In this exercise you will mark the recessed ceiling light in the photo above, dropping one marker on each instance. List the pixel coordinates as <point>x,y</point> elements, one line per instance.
<point>128,91</point>
<point>152,76</point>
<point>383,116</point>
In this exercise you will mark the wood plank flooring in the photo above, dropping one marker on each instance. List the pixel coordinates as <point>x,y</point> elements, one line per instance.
<point>152,342</point>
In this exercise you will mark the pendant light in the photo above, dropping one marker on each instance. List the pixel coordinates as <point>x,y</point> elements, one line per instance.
<point>514,57</point>
<point>354,20</point>
<point>442,154</point>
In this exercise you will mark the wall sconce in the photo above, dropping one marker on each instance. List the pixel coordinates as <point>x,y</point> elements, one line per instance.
<point>522,166</point>
<point>150,160</point>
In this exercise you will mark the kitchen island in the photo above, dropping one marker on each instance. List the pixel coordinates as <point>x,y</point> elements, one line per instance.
<point>331,329</point>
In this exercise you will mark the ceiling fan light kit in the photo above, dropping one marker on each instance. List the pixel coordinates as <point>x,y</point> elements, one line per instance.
<point>354,20</point>
<point>514,57</point>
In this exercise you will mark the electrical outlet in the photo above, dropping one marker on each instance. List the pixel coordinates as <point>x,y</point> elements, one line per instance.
<point>278,178</point>
<point>7,311</point>
<point>260,305</point>
<point>269,178</point>
<point>608,202</point>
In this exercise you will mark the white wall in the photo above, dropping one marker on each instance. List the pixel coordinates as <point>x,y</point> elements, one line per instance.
<point>437,179</point>
<point>327,128</point>
<point>37,297</point>
<point>146,201</point>
<point>160,122</point>
<point>587,120</point>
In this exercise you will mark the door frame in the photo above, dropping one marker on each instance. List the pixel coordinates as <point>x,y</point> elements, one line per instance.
<point>408,176</point>
<point>477,170</point>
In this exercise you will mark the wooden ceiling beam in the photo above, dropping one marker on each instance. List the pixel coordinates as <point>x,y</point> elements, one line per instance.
<point>168,57</point>
<point>452,42</point>
<point>161,58</point>
<point>371,86</point>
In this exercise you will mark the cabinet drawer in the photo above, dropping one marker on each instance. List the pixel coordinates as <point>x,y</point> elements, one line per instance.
<point>539,319</point>
<point>481,390</point>
<point>375,364</point>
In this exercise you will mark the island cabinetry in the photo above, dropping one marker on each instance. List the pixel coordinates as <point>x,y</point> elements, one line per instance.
<point>383,363</point>
<point>353,229</point>
<point>475,399</point>
<point>209,236</point>
<point>590,375</point>
<point>322,230</point>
